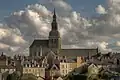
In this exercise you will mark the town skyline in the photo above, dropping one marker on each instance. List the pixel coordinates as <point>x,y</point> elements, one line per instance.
<point>79,27</point>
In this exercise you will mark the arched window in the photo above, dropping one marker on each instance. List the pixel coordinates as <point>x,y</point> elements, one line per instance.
<point>35,54</point>
<point>53,41</point>
<point>38,53</point>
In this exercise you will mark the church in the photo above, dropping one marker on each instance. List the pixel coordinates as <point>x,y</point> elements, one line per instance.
<point>53,43</point>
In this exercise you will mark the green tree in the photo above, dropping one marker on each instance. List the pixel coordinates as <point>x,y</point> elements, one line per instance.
<point>9,77</point>
<point>29,77</point>
<point>13,76</point>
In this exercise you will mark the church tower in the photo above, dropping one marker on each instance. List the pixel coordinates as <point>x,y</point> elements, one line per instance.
<point>54,36</point>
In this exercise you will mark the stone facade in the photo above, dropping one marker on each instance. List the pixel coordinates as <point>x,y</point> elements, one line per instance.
<point>54,43</point>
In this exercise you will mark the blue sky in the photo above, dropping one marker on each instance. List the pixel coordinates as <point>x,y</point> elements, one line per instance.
<point>83,6</point>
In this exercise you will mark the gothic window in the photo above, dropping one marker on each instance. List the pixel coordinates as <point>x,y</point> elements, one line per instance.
<point>39,54</point>
<point>53,41</point>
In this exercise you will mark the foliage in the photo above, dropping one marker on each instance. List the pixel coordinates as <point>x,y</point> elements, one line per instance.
<point>13,76</point>
<point>94,73</point>
<point>29,77</point>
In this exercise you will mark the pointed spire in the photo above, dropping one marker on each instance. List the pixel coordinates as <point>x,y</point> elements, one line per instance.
<point>54,15</point>
<point>54,11</point>
<point>54,22</point>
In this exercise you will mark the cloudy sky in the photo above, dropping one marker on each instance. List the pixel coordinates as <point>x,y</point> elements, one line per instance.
<point>82,24</point>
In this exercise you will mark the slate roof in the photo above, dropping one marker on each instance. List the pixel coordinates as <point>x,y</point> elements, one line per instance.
<point>7,67</point>
<point>117,55</point>
<point>43,43</point>
<point>77,52</point>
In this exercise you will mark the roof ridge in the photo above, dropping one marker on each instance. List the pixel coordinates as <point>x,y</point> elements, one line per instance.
<point>78,48</point>
<point>40,39</point>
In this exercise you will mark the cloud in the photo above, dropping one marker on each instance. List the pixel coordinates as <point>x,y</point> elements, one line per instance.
<point>61,5</point>
<point>118,43</point>
<point>4,46</point>
<point>8,36</point>
<point>100,10</point>
<point>22,27</point>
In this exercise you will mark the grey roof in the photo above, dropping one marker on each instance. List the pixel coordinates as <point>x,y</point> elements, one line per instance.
<point>117,55</point>
<point>71,61</point>
<point>77,52</point>
<point>51,54</point>
<point>7,67</point>
<point>43,43</point>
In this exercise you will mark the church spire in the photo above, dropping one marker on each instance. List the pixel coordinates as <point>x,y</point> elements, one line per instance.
<point>54,35</point>
<point>54,16</point>
<point>54,22</point>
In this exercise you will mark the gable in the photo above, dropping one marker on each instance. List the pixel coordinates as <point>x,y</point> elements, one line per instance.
<point>59,78</point>
<point>54,67</point>
<point>77,52</point>
<point>43,43</point>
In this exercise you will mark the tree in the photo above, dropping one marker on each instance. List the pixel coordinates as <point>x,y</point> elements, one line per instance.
<point>29,77</point>
<point>9,77</point>
<point>13,76</point>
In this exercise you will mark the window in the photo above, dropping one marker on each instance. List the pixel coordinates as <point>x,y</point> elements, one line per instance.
<point>26,70</point>
<point>35,54</point>
<point>39,54</point>
<point>53,41</point>
<point>66,71</point>
<point>63,71</point>
<point>41,70</point>
<point>33,70</point>
<point>62,66</point>
<point>66,66</point>
<point>29,70</point>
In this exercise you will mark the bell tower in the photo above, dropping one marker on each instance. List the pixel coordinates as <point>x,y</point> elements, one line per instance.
<point>54,36</point>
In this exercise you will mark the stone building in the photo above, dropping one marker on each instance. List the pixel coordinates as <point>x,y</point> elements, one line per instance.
<point>54,56</point>
<point>8,66</point>
<point>53,43</point>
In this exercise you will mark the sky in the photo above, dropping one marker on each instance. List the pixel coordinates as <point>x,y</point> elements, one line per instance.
<point>82,24</point>
<point>83,6</point>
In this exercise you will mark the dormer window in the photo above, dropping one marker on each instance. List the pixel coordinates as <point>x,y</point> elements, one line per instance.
<point>27,65</point>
